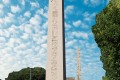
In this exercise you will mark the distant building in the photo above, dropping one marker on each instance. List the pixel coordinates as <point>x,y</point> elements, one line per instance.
<point>70,78</point>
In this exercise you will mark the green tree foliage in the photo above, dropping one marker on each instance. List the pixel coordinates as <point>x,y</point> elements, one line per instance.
<point>107,36</point>
<point>24,74</point>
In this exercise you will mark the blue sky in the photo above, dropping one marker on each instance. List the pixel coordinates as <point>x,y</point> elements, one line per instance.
<point>23,36</point>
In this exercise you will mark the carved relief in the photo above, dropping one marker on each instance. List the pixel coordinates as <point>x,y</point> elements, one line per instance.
<point>54,41</point>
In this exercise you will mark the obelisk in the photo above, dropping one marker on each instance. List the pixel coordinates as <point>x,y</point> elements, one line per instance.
<point>78,65</point>
<point>55,68</point>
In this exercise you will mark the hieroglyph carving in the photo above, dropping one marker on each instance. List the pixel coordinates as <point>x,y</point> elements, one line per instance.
<point>54,41</point>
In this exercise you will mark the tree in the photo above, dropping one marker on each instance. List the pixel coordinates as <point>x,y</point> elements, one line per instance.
<point>24,74</point>
<point>107,36</point>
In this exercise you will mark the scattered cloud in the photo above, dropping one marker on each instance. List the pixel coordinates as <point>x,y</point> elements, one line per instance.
<point>84,25</point>
<point>7,20</point>
<point>86,1</point>
<point>77,23</point>
<point>6,1</point>
<point>1,6</point>
<point>69,9</point>
<point>2,40</point>
<point>15,9</point>
<point>22,36</point>
<point>42,12</point>
<point>93,2</point>
<point>80,35</point>
<point>67,26</point>
<point>1,10</point>
<point>27,14</point>
<point>25,36</point>
<point>22,2</point>
<point>89,16</point>
<point>36,20</point>
<point>34,4</point>
<point>96,2</point>
<point>70,43</point>
<point>71,0</point>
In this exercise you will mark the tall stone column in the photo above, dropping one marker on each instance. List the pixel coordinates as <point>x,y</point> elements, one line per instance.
<point>78,65</point>
<point>55,69</point>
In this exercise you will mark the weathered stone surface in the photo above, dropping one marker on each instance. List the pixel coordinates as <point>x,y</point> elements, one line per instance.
<point>55,49</point>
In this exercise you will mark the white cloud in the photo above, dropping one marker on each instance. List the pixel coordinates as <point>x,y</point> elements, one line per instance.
<point>77,23</point>
<point>44,45</point>
<point>22,2</point>
<point>6,1</point>
<point>13,29</point>
<point>42,12</point>
<point>89,16</point>
<point>2,40</point>
<point>67,26</point>
<point>93,2</point>
<point>21,19</point>
<point>11,42</point>
<point>15,9</point>
<point>34,4</point>
<point>86,14</point>
<point>1,10</point>
<point>4,33</point>
<point>27,28</point>
<point>40,39</point>
<point>86,1</point>
<point>1,6</point>
<point>1,21</point>
<point>36,20</point>
<point>27,14</point>
<point>80,35</point>
<point>8,19</point>
<point>71,0</point>
<point>70,43</point>
<point>45,25</point>
<point>20,47</point>
<point>24,37</point>
<point>69,9</point>
<point>83,25</point>
<point>96,2</point>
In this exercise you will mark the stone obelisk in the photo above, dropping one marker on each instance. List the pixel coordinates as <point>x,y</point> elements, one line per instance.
<point>78,65</point>
<point>55,68</point>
